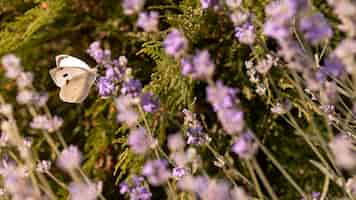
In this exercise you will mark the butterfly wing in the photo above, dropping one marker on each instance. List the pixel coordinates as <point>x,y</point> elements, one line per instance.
<point>70,61</point>
<point>61,75</point>
<point>77,89</point>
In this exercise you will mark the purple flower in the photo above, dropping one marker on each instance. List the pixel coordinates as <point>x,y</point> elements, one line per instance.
<point>208,3</point>
<point>196,135</point>
<point>280,15</point>
<point>315,28</point>
<point>12,66</point>
<point>24,79</point>
<point>156,172</point>
<point>148,21</point>
<point>139,141</point>
<point>132,6</point>
<point>131,87</point>
<point>195,132</point>
<point>232,120</point>
<point>149,103</point>
<point>114,73</point>
<point>40,99</point>
<point>201,66</point>
<point>316,195</point>
<point>70,158</point>
<point>175,142</point>
<point>126,111</point>
<point>276,30</point>
<point>98,54</point>
<point>193,184</point>
<point>245,146</point>
<point>333,67</point>
<point>221,96</point>
<point>179,172</point>
<point>136,190</point>
<point>25,96</point>
<point>233,4</point>
<point>140,193</point>
<point>106,87</point>
<point>124,188</point>
<point>175,44</point>
<point>39,122</point>
<point>245,33</point>
<point>238,17</point>
<point>83,191</point>
<point>55,124</point>
<point>216,189</point>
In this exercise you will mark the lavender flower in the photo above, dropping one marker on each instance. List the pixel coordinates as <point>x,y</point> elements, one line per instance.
<point>208,3</point>
<point>98,54</point>
<point>156,171</point>
<point>233,4</point>
<point>139,141</point>
<point>70,158</point>
<point>140,193</point>
<point>199,67</point>
<point>346,51</point>
<point>221,96</point>
<point>264,65</point>
<point>149,103</point>
<point>25,96</point>
<point>280,15</point>
<point>43,166</point>
<point>193,184</point>
<point>351,185</point>
<point>276,30</point>
<point>55,124</point>
<point>245,146</point>
<point>24,79</point>
<point>175,44</point>
<point>16,182</point>
<point>245,33</point>
<point>83,191</point>
<point>132,87</point>
<point>6,109</point>
<point>195,132</point>
<point>106,87</point>
<point>216,189</point>
<point>238,193</point>
<point>315,28</point>
<point>44,123</point>
<point>342,148</point>
<point>12,66</point>
<point>136,190</point>
<point>39,122</point>
<point>148,21</point>
<point>333,66</point>
<point>40,99</point>
<point>179,172</point>
<point>126,111</point>
<point>238,17</point>
<point>196,135</point>
<point>175,142</point>
<point>232,120</point>
<point>132,6</point>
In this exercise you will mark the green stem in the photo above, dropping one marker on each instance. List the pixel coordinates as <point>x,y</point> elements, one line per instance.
<point>254,179</point>
<point>281,169</point>
<point>264,179</point>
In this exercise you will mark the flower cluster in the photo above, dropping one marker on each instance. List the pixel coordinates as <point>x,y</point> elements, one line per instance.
<point>26,94</point>
<point>135,189</point>
<point>45,123</point>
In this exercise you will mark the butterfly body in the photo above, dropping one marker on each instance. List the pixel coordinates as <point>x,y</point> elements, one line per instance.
<point>74,77</point>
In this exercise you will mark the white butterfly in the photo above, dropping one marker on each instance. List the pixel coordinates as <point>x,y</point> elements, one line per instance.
<point>74,77</point>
